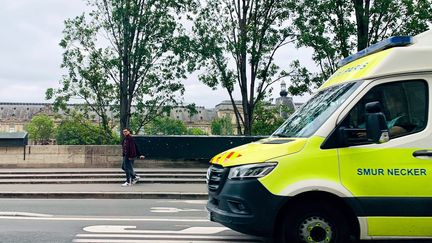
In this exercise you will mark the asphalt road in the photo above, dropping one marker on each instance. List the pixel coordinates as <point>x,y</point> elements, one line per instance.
<point>98,220</point>
<point>114,221</point>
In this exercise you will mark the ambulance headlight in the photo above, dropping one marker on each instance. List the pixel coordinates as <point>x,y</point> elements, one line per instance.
<point>251,170</point>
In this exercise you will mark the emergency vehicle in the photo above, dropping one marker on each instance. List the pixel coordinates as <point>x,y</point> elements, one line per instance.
<point>354,162</point>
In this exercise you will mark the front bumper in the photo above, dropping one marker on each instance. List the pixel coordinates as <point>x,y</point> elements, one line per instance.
<point>245,206</point>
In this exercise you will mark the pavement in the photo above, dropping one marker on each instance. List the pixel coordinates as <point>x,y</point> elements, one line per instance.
<point>161,183</point>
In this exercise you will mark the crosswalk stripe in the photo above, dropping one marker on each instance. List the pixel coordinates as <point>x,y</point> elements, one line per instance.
<point>130,229</point>
<point>104,219</point>
<point>212,237</point>
<point>147,241</point>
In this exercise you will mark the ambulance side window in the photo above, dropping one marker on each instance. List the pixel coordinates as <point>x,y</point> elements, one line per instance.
<point>404,104</point>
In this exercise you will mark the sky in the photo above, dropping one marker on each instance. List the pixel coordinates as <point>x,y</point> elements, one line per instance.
<point>31,56</point>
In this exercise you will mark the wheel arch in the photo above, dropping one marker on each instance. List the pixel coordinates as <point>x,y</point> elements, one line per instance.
<point>322,197</point>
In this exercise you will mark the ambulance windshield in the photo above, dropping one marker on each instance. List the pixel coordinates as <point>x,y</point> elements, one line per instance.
<point>306,120</point>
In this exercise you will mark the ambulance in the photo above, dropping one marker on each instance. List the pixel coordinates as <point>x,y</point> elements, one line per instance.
<point>354,162</point>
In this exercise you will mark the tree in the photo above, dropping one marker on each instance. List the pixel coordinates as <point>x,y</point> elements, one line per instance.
<point>135,69</point>
<point>166,126</point>
<point>267,119</point>
<point>245,34</point>
<point>76,130</point>
<point>334,29</point>
<point>222,126</point>
<point>195,131</point>
<point>191,110</point>
<point>41,129</point>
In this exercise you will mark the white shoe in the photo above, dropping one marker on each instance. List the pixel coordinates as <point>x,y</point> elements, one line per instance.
<point>135,180</point>
<point>126,184</point>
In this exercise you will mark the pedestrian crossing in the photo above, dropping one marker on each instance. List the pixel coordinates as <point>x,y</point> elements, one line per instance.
<point>129,234</point>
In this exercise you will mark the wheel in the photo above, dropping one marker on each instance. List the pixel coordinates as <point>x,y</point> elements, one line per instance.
<point>314,222</point>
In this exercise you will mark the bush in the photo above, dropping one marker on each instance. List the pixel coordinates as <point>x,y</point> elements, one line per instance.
<point>196,131</point>
<point>166,126</point>
<point>41,129</point>
<point>78,131</point>
<point>222,126</point>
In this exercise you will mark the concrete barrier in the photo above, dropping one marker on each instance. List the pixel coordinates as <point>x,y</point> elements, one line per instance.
<point>80,156</point>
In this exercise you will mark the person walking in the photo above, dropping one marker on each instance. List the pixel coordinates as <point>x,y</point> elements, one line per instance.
<point>129,153</point>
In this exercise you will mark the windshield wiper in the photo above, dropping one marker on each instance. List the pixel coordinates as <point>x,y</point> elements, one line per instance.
<point>281,135</point>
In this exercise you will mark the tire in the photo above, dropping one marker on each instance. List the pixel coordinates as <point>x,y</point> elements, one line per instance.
<point>314,222</point>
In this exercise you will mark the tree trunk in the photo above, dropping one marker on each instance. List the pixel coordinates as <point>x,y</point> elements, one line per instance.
<point>106,130</point>
<point>362,19</point>
<point>236,113</point>
<point>123,107</point>
<point>124,82</point>
<point>243,75</point>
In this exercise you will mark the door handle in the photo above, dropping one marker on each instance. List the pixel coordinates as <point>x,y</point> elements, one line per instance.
<point>418,153</point>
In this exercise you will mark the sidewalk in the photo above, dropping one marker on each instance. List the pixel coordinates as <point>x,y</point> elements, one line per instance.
<point>19,186</point>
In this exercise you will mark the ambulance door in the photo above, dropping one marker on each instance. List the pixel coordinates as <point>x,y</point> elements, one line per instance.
<point>391,182</point>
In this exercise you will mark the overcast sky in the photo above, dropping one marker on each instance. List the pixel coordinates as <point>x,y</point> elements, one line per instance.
<point>31,57</point>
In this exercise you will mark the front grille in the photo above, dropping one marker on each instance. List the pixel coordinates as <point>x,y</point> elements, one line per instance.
<point>215,177</point>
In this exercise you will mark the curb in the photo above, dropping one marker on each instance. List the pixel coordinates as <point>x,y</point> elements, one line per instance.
<point>105,195</point>
<point>103,181</point>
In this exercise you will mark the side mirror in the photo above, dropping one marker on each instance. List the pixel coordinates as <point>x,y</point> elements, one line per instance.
<point>376,125</point>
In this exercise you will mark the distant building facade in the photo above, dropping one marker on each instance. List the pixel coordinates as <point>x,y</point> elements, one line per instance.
<point>202,119</point>
<point>285,103</point>
<point>14,116</point>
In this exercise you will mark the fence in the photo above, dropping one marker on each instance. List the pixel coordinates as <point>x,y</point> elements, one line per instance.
<point>160,151</point>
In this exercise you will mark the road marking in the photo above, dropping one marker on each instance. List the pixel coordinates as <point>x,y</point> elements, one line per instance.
<point>103,219</point>
<point>24,214</point>
<point>188,201</point>
<point>202,237</point>
<point>129,234</point>
<point>127,229</point>
<point>148,241</point>
<point>173,210</point>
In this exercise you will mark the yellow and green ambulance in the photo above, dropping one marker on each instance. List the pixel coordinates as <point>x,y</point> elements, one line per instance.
<point>354,162</point>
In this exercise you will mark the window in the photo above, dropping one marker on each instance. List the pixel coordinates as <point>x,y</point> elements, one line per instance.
<point>404,105</point>
<point>306,121</point>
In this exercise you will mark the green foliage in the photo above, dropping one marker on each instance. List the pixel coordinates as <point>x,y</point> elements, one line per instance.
<point>267,119</point>
<point>123,53</point>
<point>76,130</point>
<point>336,29</point>
<point>191,109</point>
<point>196,131</point>
<point>41,128</point>
<point>166,126</point>
<point>248,34</point>
<point>222,126</point>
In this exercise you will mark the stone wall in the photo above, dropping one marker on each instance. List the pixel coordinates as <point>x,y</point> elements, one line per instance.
<point>78,156</point>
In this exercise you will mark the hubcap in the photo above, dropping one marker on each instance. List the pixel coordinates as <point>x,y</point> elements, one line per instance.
<point>315,230</point>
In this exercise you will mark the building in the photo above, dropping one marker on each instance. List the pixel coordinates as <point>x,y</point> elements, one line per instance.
<point>285,103</point>
<point>202,119</point>
<point>14,116</point>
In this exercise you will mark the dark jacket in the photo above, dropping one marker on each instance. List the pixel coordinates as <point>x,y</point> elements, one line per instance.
<point>129,147</point>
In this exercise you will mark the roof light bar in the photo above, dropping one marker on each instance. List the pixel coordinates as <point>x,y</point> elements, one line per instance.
<point>384,44</point>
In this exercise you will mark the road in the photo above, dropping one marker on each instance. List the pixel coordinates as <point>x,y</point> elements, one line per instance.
<point>114,221</point>
<point>99,220</point>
